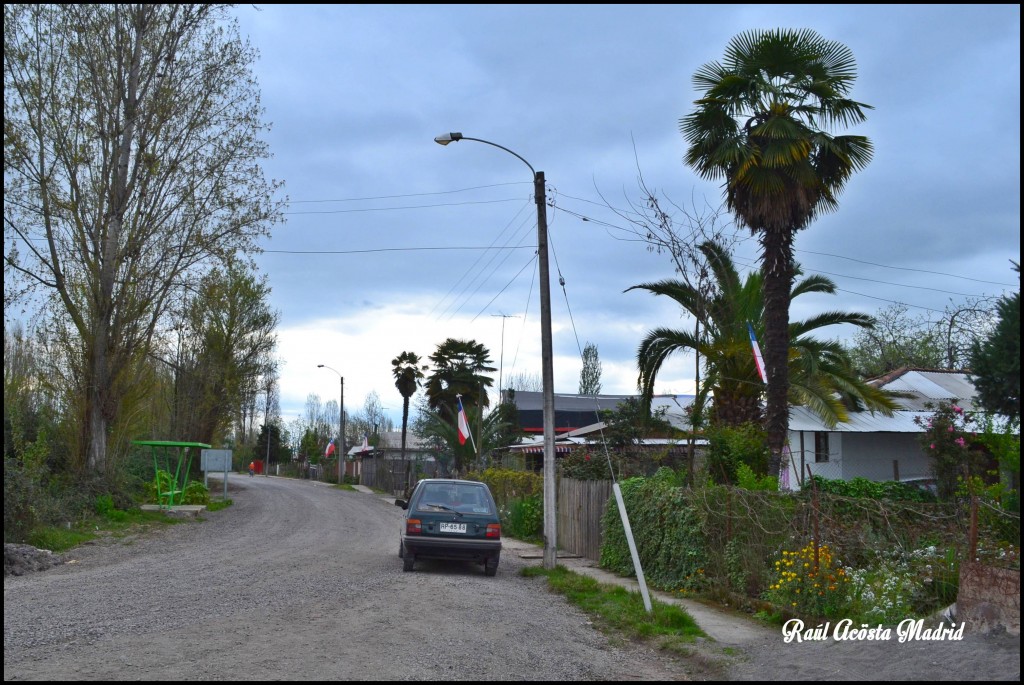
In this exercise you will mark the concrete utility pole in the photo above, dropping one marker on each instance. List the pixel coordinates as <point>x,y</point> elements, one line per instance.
<point>341,424</point>
<point>547,369</point>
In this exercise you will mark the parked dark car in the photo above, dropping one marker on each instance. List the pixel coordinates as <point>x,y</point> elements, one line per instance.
<point>450,519</point>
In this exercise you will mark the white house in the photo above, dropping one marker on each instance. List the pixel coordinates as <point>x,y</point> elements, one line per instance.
<point>874,446</point>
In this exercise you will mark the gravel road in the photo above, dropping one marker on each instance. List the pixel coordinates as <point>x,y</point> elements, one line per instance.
<point>297,581</point>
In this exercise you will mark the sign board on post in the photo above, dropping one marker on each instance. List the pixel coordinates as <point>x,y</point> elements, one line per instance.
<point>216,460</point>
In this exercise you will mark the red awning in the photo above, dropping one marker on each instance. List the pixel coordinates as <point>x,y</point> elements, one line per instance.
<point>539,449</point>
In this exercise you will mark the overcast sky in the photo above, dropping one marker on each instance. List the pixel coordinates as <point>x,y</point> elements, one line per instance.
<point>592,95</point>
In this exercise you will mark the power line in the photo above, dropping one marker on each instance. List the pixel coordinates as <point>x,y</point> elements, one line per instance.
<point>395,197</point>
<point>391,209</point>
<point>512,280</point>
<point>479,277</point>
<point>599,222</point>
<point>395,249</point>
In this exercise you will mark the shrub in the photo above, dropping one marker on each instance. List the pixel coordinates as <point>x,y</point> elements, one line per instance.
<point>731,446</point>
<point>105,508</point>
<point>195,493</point>
<point>870,489</point>
<point>667,531</point>
<point>524,518</point>
<point>507,485</point>
<point>883,593</point>
<point>801,586</point>
<point>582,465</point>
<point>951,440</point>
<point>748,480</point>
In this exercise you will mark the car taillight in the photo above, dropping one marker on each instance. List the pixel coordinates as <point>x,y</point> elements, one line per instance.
<point>413,527</point>
<point>493,530</point>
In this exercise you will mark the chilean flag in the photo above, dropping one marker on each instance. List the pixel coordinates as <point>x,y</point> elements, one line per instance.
<point>463,424</point>
<point>330,448</point>
<point>758,359</point>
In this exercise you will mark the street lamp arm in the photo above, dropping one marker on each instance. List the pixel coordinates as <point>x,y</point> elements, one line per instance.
<point>324,366</point>
<point>446,138</point>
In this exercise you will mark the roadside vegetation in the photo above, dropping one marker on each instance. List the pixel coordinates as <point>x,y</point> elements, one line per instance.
<point>615,609</point>
<point>105,520</point>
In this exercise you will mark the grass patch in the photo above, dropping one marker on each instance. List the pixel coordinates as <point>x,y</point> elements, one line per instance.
<point>59,539</point>
<point>345,486</point>
<point>623,611</point>
<point>770,617</point>
<point>217,505</point>
<point>113,522</point>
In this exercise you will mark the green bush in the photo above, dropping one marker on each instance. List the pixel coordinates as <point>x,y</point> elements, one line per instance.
<point>507,485</point>
<point>524,518</point>
<point>19,494</point>
<point>729,447</point>
<point>581,464</point>
<point>870,489</point>
<point>195,493</point>
<point>816,590</point>
<point>666,529</point>
<point>748,480</point>
<point>106,509</point>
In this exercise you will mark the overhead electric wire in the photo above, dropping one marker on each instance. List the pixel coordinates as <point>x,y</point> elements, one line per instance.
<point>478,277</point>
<point>572,322</point>
<point>391,209</point>
<point>473,265</point>
<point>503,290</point>
<point>482,280</point>
<point>590,219</point>
<point>916,306</point>
<point>395,197</point>
<point>526,312</point>
<point>396,249</point>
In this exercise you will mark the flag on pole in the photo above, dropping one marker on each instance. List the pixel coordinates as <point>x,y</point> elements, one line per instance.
<point>463,423</point>
<point>330,448</point>
<point>758,359</point>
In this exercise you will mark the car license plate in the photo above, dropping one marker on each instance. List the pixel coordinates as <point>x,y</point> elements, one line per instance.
<point>453,527</point>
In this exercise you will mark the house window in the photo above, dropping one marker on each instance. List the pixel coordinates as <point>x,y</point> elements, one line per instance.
<point>820,447</point>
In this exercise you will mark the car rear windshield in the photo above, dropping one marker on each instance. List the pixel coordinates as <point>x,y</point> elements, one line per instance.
<point>467,499</point>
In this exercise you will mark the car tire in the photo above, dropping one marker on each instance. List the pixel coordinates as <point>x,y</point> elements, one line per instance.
<point>407,562</point>
<point>491,566</point>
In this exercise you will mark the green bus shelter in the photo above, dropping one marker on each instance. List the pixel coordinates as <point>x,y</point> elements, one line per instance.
<point>168,455</point>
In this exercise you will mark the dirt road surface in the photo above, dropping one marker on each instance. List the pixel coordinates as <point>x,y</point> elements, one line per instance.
<point>301,581</point>
<point>297,581</point>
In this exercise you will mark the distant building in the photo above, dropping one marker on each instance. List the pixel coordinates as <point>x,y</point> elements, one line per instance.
<point>573,412</point>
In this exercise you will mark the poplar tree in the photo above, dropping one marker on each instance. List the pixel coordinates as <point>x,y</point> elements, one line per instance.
<point>131,166</point>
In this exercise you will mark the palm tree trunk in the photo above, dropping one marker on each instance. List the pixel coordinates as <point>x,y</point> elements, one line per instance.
<point>777,260</point>
<point>405,424</point>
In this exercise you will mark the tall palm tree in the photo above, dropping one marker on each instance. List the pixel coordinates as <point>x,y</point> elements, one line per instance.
<point>822,377</point>
<point>459,366</point>
<point>761,125</point>
<point>408,377</point>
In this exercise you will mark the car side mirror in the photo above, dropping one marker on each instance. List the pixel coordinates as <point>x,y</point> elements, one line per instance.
<point>401,503</point>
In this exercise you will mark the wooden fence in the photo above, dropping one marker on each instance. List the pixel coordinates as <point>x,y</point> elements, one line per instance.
<point>395,476</point>
<point>581,505</point>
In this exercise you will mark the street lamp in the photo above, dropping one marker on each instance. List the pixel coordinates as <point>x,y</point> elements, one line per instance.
<point>547,372</point>
<point>341,424</point>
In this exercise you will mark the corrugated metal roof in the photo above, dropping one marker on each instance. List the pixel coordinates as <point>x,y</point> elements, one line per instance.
<point>801,419</point>
<point>932,387</point>
<point>674,405</point>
